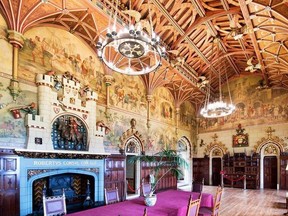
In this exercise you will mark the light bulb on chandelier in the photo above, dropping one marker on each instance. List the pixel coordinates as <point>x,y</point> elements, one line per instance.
<point>218,108</point>
<point>131,50</point>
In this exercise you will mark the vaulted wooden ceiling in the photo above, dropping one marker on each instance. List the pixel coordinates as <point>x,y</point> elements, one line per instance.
<point>202,37</point>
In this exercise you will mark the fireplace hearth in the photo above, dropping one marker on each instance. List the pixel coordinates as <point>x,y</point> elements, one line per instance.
<point>51,176</point>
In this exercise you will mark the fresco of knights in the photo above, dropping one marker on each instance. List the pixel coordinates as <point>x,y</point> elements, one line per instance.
<point>69,133</point>
<point>50,49</point>
<point>187,115</point>
<point>128,93</point>
<point>162,106</point>
<point>255,104</point>
<point>159,137</point>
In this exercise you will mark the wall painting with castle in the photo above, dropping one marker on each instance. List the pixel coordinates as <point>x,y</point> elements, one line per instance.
<point>50,49</point>
<point>254,106</point>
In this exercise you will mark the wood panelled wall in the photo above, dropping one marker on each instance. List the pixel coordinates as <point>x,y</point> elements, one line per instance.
<point>167,182</point>
<point>201,169</point>
<point>283,172</point>
<point>9,183</point>
<point>115,174</point>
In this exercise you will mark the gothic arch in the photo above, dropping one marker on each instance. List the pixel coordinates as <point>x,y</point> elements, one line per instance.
<point>185,140</point>
<point>129,135</point>
<point>213,146</point>
<point>269,146</point>
<point>268,140</point>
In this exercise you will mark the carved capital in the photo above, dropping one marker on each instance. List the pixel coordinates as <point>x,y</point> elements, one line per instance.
<point>15,38</point>
<point>108,79</point>
<point>149,97</point>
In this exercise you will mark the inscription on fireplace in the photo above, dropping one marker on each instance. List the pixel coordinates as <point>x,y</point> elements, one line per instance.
<point>68,163</point>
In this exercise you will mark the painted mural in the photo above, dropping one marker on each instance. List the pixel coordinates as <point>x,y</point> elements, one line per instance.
<point>160,136</point>
<point>128,93</point>
<point>187,115</point>
<point>6,60</point>
<point>12,129</point>
<point>50,49</point>
<point>162,107</point>
<point>254,106</point>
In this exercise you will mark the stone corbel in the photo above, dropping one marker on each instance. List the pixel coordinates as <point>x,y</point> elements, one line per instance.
<point>16,39</point>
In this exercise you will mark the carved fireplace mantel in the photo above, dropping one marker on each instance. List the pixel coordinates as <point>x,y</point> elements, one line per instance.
<point>58,155</point>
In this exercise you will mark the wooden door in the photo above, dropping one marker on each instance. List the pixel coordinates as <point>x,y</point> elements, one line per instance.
<point>9,185</point>
<point>115,174</point>
<point>201,169</point>
<point>270,172</point>
<point>216,168</point>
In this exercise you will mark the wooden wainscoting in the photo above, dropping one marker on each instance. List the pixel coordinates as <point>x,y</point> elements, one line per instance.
<point>9,183</point>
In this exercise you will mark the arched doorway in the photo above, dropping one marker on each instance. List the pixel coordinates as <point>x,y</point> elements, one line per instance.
<point>270,148</point>
<point>132,144</point>
<point>184,149</point>
<point>215,150</point>
<point>132,148</point>
<point>270,166</point>
<point>216,166</point>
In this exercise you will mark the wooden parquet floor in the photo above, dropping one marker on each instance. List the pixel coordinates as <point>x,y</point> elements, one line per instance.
<point>239,202</point>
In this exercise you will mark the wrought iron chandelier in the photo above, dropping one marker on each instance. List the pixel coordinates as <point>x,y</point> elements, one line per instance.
<point>218,108</point>
<point>131,50</point>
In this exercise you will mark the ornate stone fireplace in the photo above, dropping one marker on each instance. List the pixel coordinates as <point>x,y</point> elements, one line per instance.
<point>54,175</point>
<point>65,148</point>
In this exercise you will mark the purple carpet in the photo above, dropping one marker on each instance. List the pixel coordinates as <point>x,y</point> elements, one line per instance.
<point>171,203</point>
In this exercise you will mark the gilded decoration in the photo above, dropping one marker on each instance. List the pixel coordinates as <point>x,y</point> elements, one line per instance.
<point>270,149</point>
<point>217,152</point>
<point>215,144</point>
<point>270,139</point>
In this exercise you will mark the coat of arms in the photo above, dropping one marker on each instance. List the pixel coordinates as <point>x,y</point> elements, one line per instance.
<point>240,139</point>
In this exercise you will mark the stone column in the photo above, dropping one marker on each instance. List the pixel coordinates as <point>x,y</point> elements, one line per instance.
<point>149,99</point>
<point>108,81</point>
<point>177,120</point>
<point>16,39</point>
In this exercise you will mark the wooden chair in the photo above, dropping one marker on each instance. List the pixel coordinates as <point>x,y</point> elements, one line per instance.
<point>145,212</point>
<point>197,186</point>
<point>193,207</point>
<point>54,205</point>
<point>213,211</point>
<point>111,196</point>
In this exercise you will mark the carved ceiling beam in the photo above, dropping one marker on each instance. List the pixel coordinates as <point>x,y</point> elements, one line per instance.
<point>209,16</point>
<point>181,31</point>
<point>249,24</point>
<point>227,55</point>
<point>201,11</point>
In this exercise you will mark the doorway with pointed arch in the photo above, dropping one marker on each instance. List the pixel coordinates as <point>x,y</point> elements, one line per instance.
<point>184,149</point>
<point>133,172</point>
